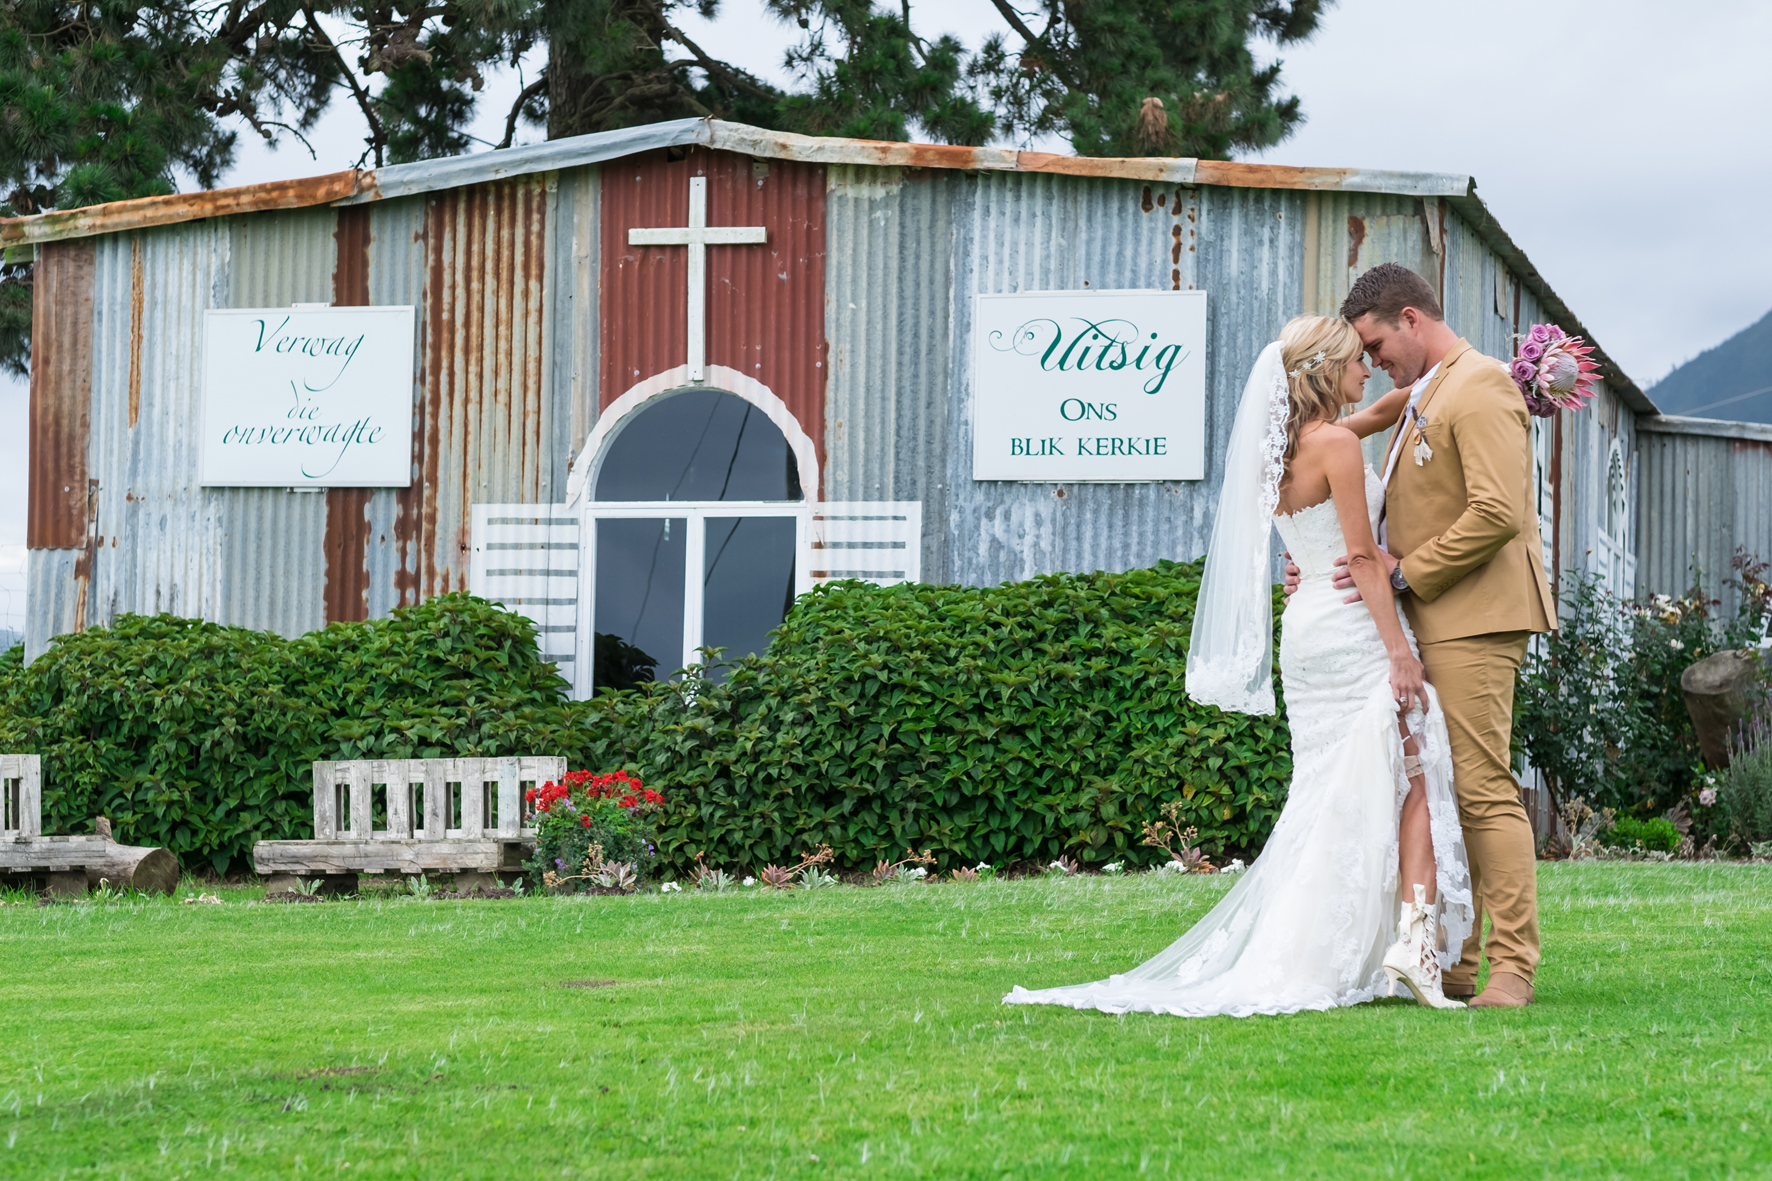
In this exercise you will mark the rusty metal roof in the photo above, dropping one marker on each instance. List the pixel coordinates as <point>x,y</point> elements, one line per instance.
<point>400,180</point>
<point>1668,424</point>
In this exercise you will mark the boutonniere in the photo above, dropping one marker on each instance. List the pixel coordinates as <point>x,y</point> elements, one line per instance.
<point>1423,452</point>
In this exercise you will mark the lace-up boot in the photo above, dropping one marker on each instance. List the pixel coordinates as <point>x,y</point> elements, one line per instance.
<point>1413,959</point>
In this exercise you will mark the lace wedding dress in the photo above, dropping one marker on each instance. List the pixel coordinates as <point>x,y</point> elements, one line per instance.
<point>1307,925</point>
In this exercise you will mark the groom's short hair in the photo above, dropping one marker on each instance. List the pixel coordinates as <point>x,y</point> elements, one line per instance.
<point>1385,290</point>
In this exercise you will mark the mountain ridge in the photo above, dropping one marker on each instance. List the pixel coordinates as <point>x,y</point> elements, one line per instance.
<point>1732,381</point>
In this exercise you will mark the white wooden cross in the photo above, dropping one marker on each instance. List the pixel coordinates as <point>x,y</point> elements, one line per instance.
<point>698,236</point>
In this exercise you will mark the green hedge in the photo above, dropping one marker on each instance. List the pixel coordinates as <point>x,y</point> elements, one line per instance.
<point>1010,723</point>
<point>200,737</point>
<point>1003,724</point>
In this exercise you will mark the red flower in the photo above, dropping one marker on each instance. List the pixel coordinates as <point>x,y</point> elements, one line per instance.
<point>578,788</point>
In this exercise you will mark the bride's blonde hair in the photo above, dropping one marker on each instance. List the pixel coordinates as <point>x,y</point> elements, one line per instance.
<point>1315,351</point>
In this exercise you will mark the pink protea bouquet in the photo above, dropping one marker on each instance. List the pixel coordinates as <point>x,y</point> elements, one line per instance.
<point>1553,371</point>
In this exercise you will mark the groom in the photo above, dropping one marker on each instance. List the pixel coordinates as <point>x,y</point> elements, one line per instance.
<point>1462,543</point>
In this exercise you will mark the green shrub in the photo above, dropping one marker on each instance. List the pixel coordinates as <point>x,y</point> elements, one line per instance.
<point>1598,710</point>
<point>1746,794</point>
<point>201,738</point>
<point>1000,724</point>
<point>1658,834</point>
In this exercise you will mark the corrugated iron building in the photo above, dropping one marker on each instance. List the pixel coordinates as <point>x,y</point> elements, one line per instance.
<point>1706,492</point>
<point>536,317</point>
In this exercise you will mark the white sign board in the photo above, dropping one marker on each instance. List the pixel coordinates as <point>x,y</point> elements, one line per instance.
<point>307,398</point>
<point>1089,386</point>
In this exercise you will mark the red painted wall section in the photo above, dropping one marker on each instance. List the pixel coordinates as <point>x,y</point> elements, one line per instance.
<point>765,304</point>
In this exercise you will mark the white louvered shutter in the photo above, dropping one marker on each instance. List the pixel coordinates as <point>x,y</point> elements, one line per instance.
<point>525,556</point>
<point>879,541</point>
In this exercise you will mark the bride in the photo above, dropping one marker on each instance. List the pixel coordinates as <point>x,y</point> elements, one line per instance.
<point>1369,834</point>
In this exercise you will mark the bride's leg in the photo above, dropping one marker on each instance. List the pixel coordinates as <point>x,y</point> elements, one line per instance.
<point>1413,959</point>
<point>1415,840</point>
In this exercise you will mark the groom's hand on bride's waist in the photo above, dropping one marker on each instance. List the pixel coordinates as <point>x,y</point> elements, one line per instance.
<point>1291,572</point>
<point>1345,580</point>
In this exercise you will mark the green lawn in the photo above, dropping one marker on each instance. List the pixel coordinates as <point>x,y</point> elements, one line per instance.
<point>857,1033</point>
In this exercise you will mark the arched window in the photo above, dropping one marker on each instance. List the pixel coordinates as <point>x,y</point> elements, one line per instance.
<point>697,509</point>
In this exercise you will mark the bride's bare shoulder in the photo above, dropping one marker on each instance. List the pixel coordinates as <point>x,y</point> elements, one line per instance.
<point>1327,438</point>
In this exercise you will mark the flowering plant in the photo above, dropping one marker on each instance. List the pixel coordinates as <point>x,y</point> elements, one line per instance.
<point>1553,371</point>
<point>624,789</point>
<point>610,814</point>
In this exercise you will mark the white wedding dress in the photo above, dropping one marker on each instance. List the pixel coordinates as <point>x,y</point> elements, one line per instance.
<point>1307,925</point>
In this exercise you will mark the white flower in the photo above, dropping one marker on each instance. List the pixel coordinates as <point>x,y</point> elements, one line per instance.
<point>1676,645</point>
<point>670,888</point>
<point>1236,866</point>
<point>1172,867</point>
<point>1708,796</point>
<point>982,866</point>
<point>1114,867</point>
<point>919,872</point>
<point>750,881</point>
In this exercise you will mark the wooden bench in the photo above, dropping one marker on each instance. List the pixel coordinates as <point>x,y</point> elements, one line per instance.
<point>69,865</point>
<point>467,817</point>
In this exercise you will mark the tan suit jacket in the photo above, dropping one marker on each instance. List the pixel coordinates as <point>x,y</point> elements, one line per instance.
<point>1464,522</point>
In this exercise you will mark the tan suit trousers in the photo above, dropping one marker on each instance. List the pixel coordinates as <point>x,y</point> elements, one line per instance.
<point>1474,678</point>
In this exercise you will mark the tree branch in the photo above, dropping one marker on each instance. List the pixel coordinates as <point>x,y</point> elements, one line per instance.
<point>707,63</point>
<point>1015,21</point>
<point>377,137</point>
<point>916,41</point>
<point>529,92</point>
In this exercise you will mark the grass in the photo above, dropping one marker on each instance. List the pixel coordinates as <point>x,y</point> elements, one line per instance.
<point>852,1033</point>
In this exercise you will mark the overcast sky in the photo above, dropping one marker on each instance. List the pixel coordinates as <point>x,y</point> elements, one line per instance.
<point>1619,142</point>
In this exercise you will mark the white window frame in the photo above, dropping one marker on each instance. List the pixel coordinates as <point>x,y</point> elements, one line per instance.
<point>695,514</point>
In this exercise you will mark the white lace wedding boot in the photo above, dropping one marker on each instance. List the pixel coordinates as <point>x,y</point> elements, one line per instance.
<point>1412,960</point>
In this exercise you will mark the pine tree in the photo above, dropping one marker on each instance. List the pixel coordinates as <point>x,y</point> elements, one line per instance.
<point>112,99</point>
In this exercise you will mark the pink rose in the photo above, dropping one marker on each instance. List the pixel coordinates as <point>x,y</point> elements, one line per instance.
<point>1540,334</point>
<point>1531,350</point>
<point>1524,373</point>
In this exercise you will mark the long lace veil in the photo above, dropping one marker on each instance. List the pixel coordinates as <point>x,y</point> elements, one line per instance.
<point>1230,659</point>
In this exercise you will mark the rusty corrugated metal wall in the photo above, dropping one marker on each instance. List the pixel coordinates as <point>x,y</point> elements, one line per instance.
<point>534,312</point>
<point>765,303</point>
<point>61,397</point>
<point>918,246</point>
<point>115,403</point>
<point>60,498</point>
<point>1705,489</point>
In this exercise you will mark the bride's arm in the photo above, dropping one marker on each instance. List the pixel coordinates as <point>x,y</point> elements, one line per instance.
<point>1380,416</point>
<point>1346,469</point>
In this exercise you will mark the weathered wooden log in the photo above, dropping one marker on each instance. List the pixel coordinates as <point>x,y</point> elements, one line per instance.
<point>328,858</point>
<point>1718,690</point>
<point>141,867</point>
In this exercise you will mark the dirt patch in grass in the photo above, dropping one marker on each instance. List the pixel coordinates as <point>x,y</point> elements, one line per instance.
<point>328,1072</point>
<point>587,983</point>
<point>476,892</point>
<point>285,896</point>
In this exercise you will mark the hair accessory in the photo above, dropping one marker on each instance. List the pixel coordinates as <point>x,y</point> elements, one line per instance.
<point>1307,366</point>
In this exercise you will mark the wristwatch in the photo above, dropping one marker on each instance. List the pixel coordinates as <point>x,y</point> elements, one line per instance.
<point>1398,582</point>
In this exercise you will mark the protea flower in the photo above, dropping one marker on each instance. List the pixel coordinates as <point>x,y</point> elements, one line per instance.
<point>1553,371</point>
